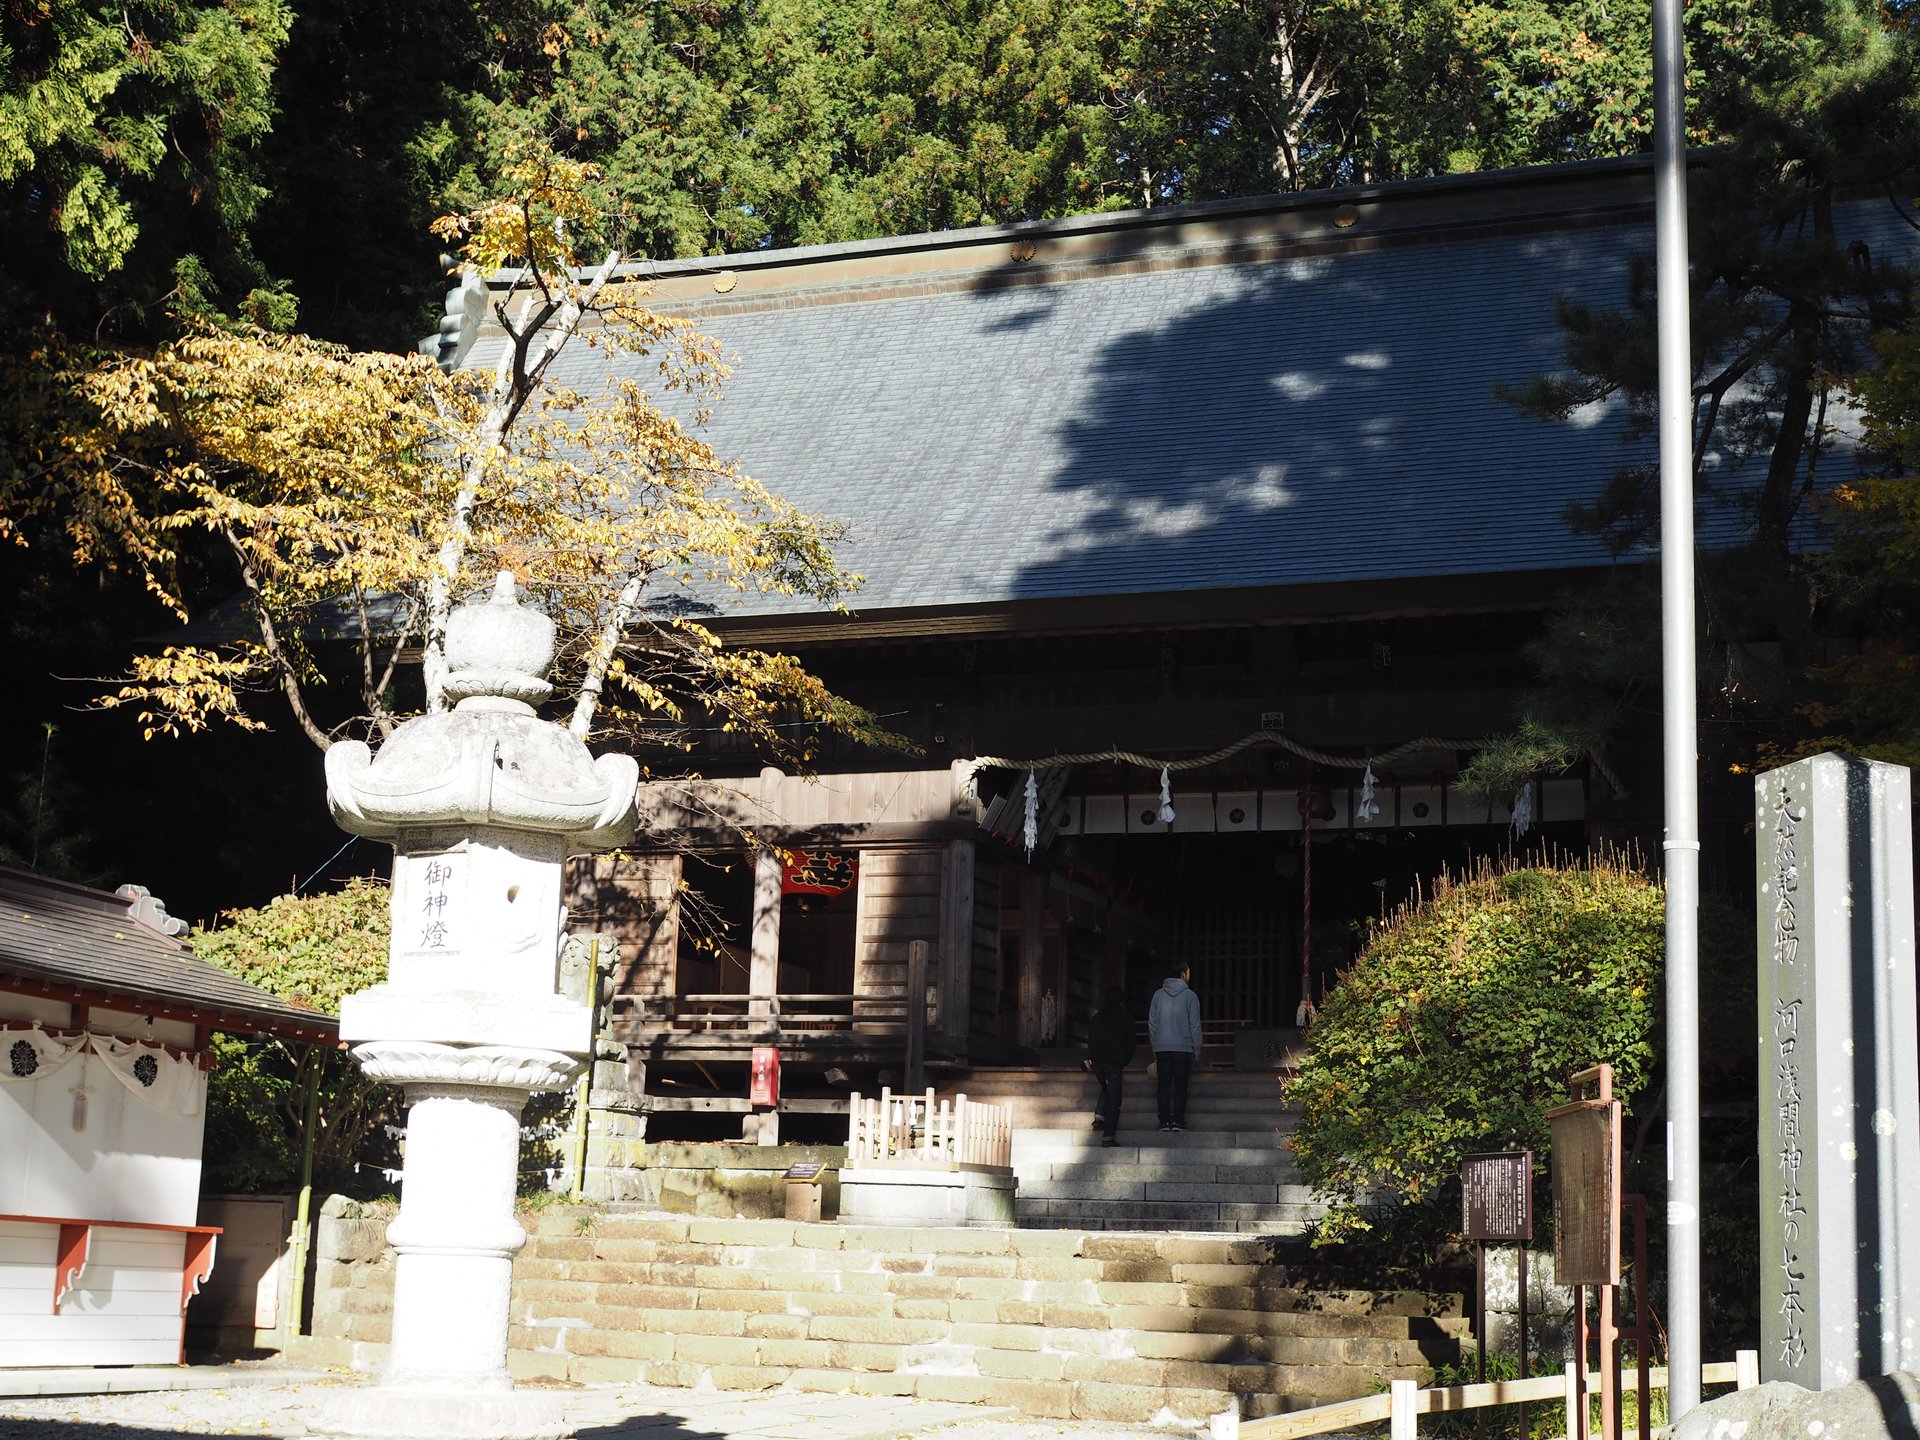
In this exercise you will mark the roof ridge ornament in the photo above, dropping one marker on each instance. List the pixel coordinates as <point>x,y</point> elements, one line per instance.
<point>146,908</point>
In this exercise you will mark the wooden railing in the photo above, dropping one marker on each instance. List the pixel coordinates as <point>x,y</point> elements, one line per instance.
<point>919,1132</point>
<point>794,1013</point>
<point>889,1030</point>
<point>1213,1033</point>
<point>1405,1402</point>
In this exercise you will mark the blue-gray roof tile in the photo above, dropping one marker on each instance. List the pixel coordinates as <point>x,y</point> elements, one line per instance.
<point>1277,422</point>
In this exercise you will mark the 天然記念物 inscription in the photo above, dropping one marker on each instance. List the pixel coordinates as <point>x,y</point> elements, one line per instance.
<point>1784,864</point>
<point>1840,1158</point>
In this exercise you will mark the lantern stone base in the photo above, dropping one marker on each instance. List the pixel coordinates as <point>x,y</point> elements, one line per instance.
<point>394,1412</point>
<point>454,1242</point>
<point>927,1197</point>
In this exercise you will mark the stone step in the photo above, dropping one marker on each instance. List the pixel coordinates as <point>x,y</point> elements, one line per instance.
<point>1195,1152</point>
<point>1141,1096</point>
<point>1197,1166</point>
<point>1071,1181</point>
<point>1084,1087</point>
<point>1189,1392</point>
<point>1079,1092</point>
<point>1190,1148</point>
<point>1143,1184</point>
<point>1249,1217</point>
<point>1062,1322</point>
<point>1142,1121</point>
<point>988,1077</point>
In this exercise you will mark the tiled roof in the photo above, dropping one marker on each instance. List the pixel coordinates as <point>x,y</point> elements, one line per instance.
<point>1174,415</point>
<point>73,935</point>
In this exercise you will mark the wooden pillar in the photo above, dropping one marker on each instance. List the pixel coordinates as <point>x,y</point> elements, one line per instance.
<point>763,971</point>
<point>956,945</point>
<point>916,1067</point>
<point>763,978</point>
<point>1033,952</point>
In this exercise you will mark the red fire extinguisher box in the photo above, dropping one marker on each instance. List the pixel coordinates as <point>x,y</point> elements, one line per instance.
<point>764,1088</point>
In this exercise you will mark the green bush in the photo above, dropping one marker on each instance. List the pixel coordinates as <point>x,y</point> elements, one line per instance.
<point>1456,1029</point>
<point>312,949</point>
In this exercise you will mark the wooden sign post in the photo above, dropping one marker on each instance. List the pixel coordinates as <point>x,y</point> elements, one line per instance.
<point>1496,1203</point>
<point>1586,1231</point>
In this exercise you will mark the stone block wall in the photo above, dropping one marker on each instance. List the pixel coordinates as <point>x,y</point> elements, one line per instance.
<point>1061,1323</point>
<point>352,1281</point>
<point>1549,1309</point>
<point>721,1180</point>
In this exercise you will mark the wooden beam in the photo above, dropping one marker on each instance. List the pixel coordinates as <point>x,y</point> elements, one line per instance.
<point>1155,610</point>
<point>696,1049</point>
<point>323,1030</point>
<point>70,1258</point>
<point>707,834</point>
<point>740,1105</point>
<point>956,943</point>
<point>1321,1419</point>
<point>916,1063</point>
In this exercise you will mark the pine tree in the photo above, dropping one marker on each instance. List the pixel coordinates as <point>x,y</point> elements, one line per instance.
<point>1788,306</point>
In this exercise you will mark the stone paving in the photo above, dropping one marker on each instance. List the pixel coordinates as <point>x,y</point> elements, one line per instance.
<point>600,1412</point>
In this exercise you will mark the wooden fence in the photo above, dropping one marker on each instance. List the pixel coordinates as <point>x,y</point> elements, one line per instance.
<point>920,1132</point>
<point>1406,1402</point>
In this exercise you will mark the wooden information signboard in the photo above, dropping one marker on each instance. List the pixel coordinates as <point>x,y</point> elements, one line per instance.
<point>1586,1192</point>
<point>1496,1196</point>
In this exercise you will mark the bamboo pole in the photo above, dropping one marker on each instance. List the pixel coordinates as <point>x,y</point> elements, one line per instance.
<point>303,1207</point>
<point>581,1120</point>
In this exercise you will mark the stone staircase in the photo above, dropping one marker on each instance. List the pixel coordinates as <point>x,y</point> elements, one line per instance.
<point>1227,1172</point>
<point>1060,1323</point>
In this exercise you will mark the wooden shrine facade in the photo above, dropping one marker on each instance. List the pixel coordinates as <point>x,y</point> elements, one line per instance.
<point>1227,489</point>
<point>807,941</point>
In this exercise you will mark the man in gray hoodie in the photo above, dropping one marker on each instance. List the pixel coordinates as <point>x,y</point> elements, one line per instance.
<point>1173,1031</point>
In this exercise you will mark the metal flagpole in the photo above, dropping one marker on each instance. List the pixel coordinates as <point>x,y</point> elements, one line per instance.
<point>1680,725</point>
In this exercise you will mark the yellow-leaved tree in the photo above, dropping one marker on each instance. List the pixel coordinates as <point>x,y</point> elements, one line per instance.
<point>360,496</point>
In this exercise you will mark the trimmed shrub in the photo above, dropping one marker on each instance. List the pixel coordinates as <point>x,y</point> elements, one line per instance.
<point>312,949</point>
<point>1456,1029</point>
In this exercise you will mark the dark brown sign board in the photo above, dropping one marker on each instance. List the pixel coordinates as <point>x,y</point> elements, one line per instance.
<point>1586,1192</point>
<point>1496,1196</point>
<point>805,1170</point>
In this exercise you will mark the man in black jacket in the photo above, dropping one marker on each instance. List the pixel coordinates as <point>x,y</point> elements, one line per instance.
<point>1110,1045</point>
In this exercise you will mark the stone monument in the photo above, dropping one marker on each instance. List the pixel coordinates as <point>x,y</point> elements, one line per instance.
<point>1839,1084</point>
<point>482,805</point>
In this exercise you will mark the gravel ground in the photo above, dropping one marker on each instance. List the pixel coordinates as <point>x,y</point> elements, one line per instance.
<point>623,1412</point>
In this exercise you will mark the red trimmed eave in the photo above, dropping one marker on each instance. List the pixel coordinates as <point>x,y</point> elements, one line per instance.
<point>324,1029</point>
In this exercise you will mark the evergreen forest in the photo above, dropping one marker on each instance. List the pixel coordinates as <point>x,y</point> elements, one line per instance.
<point>272,167</point>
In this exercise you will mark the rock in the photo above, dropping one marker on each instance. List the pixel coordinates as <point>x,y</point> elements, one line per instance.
<point>1880,1406</point>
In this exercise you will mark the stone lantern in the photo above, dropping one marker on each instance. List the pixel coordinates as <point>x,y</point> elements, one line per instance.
<point>482,805</point>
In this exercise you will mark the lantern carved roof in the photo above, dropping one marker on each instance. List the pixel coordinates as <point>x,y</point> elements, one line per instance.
<point>491,760</point>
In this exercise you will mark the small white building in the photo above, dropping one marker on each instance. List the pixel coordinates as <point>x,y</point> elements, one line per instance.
<point>105,1019</point>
